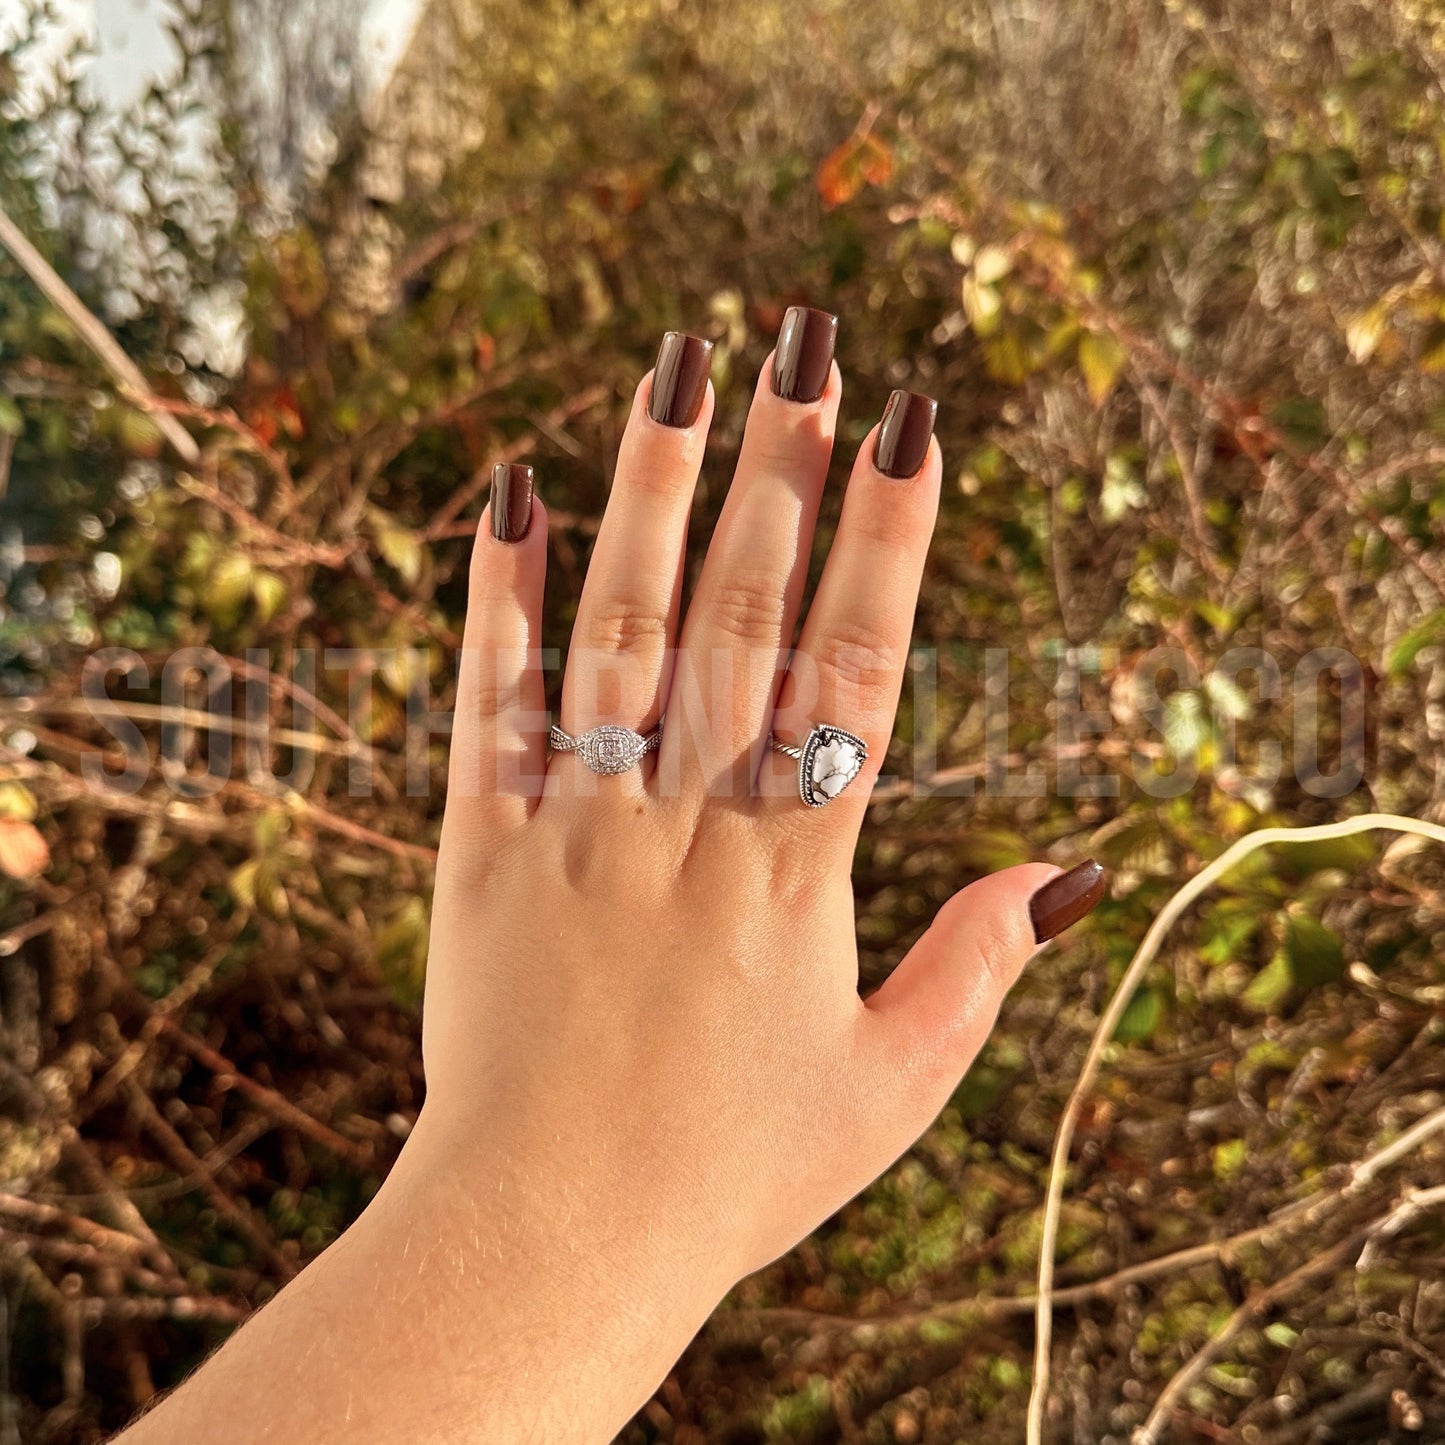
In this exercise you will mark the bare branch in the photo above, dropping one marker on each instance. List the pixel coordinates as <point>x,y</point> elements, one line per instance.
<point>92,331</point>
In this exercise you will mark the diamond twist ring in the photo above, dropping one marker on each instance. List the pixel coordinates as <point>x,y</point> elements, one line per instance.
<point>608,749</point>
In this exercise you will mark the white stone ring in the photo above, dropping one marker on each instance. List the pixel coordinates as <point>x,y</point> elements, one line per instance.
<point>828,761</point>
<point>608,749</point>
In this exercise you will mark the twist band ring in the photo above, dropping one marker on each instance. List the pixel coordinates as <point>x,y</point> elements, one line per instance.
<point>607,749</point>
<point>829,759</point>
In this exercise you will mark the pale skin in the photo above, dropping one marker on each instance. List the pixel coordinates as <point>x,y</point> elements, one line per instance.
<point>649,1068</point>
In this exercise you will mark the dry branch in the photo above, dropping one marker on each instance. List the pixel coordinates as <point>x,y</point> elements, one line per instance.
<point>126,374</point>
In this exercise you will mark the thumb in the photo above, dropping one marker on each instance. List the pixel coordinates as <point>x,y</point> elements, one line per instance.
<point>933,1014</point>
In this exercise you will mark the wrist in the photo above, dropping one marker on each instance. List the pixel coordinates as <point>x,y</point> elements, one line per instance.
<point>565,1290</point>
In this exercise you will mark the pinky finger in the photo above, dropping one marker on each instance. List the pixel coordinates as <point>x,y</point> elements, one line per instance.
<point>499,736</point>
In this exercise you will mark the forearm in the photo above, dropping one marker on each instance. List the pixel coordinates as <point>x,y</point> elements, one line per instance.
<point>441,1317</point>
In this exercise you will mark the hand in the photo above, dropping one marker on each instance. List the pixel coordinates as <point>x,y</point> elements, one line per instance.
<point>649,1069</point>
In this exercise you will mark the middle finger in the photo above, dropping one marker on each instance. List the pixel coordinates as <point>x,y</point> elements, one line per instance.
<point>741,618</point>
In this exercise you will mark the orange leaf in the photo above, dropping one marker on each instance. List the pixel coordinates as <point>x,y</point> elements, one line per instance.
<point>877,161</point>
<point>275,412</point>
<point>860,161</point>
<point>24,853</point>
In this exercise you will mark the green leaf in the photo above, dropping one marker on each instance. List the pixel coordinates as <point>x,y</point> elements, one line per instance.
<point>1228,927</point>
<point>1227,696</point>
<point>17,802</point>
<point>1432,357</point>
<point>1122,490</point>
<point>1213,155</point>
<point>1315,954</point>
<point>55,326</point>
<point>1138,846</point>
<point>1229,1157</point>
<point>401,948</point>
<point>1303,418</point>
<point>227,588</point>
<point>1366,329</point>
<point>1402,655</point>
<point>257,884</point>
<point>992,264</point>
<point>1007,359</point>
<point>989,849</point>
<point>1269,988</point>
<point>269,593</point>
<point>399,546</point>
<point>1186,723</point>
<point>1350,855</point>
<point>139,433</point>
<point>1140,1017</point>
<point>981,304</point>
<point>1101,359</point>
<point>11,421</point>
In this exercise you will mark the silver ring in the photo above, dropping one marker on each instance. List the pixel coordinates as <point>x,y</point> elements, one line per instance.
<point>607,749</point>
<point>830,758</point>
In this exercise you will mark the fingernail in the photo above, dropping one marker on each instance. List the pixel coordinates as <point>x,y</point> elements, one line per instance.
<point>904,434</point>
<point>1064,900</point>
<point>511,501</point>
<point>804,356</point>
<point>680,382</point>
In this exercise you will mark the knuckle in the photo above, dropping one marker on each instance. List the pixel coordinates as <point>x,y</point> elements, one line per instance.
<point>787,452</point>
<point>623,625</point>
<point>492,677</point>
<point>858,658</point>
<point>658,462</point>
<point>995,944</point>
<point>651,477</point>
<point>997,941</point>
<point>487,694</point>
<point>748,608</point>
<point>899,531</point>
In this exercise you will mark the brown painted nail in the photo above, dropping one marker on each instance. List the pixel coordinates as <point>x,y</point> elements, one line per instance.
<point>1064,900</point>
<point>804,357</point>
<point>511,501</point>
<point>903,437</point>
<point>680,382</point>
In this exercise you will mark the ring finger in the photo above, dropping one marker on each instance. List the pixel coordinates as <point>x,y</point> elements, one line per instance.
<point>847,670</point>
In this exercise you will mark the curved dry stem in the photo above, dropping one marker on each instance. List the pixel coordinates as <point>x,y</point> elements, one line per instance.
<point>1109,1023</point>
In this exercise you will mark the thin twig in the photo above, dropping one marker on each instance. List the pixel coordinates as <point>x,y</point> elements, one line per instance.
<point>1414,1204</point>
<point>281,1109</point>
<point>40,1215</point>
<point>1308,1213</point>
<point>456,504</point>
<point>187,717</point>
<point>184,1161</point>
<point>301,553</point>
<point>92,331</point>
<point>1252,1309</point>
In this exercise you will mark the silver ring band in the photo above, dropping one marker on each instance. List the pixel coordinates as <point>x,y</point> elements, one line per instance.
<point>829,759</point>
<point>608,749</point>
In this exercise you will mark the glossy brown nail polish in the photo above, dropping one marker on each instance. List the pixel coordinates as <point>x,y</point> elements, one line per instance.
<point>511,501</point>
<point>1064,900</point>
<point>904,434</point>
<point>804,356</point>
<point>680,382</point>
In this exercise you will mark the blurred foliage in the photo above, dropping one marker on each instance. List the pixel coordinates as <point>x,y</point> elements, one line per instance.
<point>1176,273</point>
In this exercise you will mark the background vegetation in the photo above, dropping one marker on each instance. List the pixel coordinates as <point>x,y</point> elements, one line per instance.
<point>1176,272</point>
